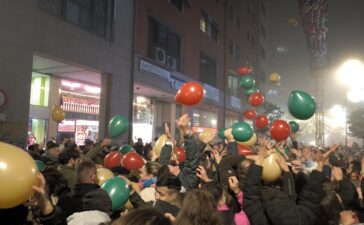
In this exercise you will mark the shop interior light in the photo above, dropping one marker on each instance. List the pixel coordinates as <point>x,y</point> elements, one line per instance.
<point>93,90</point>
<point>213,122</point>
<point>70,84</point>
<point>140,99</point>
<point>196,115</point>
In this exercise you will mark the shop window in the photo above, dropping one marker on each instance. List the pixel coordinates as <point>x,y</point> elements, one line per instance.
<point>164,45</point>
<point>208,70</point>
<point>143,110</point>
<point>204,119</point>
<point>231,118</point>
<point>209,26</point>
<point>37,131</point>
<point>90,15</point>
<point>39,92</point>
<point>233,85</point>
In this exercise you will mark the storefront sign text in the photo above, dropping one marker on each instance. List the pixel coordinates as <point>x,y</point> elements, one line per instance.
<point>154,69</point>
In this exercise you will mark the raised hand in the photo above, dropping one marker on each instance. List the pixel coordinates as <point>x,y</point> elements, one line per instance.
<point>234,185</point>
<point>201,173</point>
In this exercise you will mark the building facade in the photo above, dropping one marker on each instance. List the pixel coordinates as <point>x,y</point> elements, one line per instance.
<point>68,53</point>
<point>206,41</point>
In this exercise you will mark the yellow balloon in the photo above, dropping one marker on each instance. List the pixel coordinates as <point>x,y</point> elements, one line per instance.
<point>274,78</point>
<point>206,134</point>
<point>159,144</point>
<point>271,169</point>
<point>18,173</point>
<point>57,114</point>
<point>249,142</point>
<point>103,175</point>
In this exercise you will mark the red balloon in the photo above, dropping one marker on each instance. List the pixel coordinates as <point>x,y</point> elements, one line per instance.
<point>112,159</point>
<point>256,99</point>
<point>280,130</point>
<point>261,121</point>
<point>181,154</point>
<point>244,150</point>
<point>190,93</point>
<point>244,70</point>
<point>250,114</point>
<point>133,161</point>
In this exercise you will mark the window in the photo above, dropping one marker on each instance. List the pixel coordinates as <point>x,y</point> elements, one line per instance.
<point>39,91</point>
<point>262,75</point>
<point>263,9</point>
<point>233,85</point>
<point>91,15</point>
<point>209,26</point>
<point>252,38</point>
<point>179,4</point>
<point>231,47</point>
<point>262,52</point>
<point>208,70</point>
<point>204,118</point>
<point>237,52</point>
<point>237,22</point>
<point>262,30</point>
<point>164,45</point>
<point>231,13</point>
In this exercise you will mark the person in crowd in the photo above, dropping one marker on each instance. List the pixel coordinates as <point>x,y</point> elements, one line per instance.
<point>147,181</point>
<point>87,194</point>
<point>139,147</point>
<point>50,157</point>
<point>35,151</point>
<point>89,144</point>
<point>143,217</point>
<point>69,159</point>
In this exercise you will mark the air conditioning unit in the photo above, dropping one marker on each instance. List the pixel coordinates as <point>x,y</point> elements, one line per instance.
<point>171,62</point>
<point>160,55</point>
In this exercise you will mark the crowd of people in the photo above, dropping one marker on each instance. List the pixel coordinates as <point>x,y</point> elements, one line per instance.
<point>213,186</point>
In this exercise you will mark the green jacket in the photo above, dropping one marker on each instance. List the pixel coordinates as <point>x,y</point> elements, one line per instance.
<point>69,173</point>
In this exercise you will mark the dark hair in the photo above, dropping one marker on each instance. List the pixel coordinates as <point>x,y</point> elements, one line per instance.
<point>164,170</point>
<point>331,205</point>
<point>356,166</point>
<point>56,182</point>
<point>217,190</point>
<point>143,217</point>
<point>33,147</point>
<point>84,169</point>
<point>199,207</point>
<point>169,181</point>
<point>52,145</point>
<point>152,168</point>
<point>67,154</point>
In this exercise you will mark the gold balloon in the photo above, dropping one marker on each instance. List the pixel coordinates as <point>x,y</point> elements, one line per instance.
<point>292,22</point>
<point>206,134</point>
<point>271,169</point>
<point>18,173</point>
<point>274,78</point>
<point>57,114</point>
<point>249,142</point>
<point>159,144</point>
<point>103,175</point>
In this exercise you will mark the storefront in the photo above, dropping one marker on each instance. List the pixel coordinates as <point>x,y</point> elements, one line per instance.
<point>79,100</point>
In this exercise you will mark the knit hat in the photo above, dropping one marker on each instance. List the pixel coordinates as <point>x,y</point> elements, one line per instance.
<point>93,217</point>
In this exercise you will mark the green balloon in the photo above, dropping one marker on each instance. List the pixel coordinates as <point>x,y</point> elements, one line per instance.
<point>242,131</point>
<point>117,126</point>
<point>301,105</point>
<point>221,134</point>
<point>247,82</point>
<point>294,126</point>
<point>118,191</point>
<point>125,149</point>
<point>251,91</point>
<point>40,165</point>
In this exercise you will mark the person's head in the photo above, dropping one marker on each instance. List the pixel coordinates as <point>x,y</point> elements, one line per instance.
<point>306,153</point>
<point>87,173</point>
<point>167,188</point>
<point>174,170</point>
<point>218,191</point>
<point>143,217</point>
<point>243,168</point>
<point>354,166</point>
<point>89,144</point>
<point>70,157</point>
<point>140,141</point>
<point>156,138</point>
<point>199,207</point>
<point>53,149</point>
<point>56,182</point>
<point>149,170</point>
